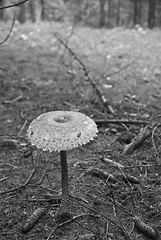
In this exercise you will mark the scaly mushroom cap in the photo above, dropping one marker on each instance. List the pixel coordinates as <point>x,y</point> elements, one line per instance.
<point>61,130</point>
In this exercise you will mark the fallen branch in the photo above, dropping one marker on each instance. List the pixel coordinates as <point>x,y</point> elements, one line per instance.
<point>137,141</point>
<point>99,173</point>
<point>3,179</point>
<point>111,162</point>
<point>8,166</point>
<point>52,200</point>
<point>96,172</point>
<point>119,70</point>
<point>13,100</point>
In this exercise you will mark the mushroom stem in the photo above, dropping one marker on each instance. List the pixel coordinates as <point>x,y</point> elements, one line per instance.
<point>64,181</point>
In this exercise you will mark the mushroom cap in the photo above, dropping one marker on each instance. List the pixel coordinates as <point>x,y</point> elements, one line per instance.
<point>61,130</point>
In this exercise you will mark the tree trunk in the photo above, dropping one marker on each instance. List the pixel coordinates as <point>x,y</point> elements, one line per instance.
<point>31,6</point>
<point>135,11</point>
<point>139,12</point>
<point>151,13</point>
<point>2,2</point>
<point>118,13</point>
<point>159,13</point>
<point>109,13</point>
<point>102,13</point>
<point>43,14</point>
<point>22,13</point>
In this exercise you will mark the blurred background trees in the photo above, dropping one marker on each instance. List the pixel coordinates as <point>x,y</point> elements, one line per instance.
<point>97,13</point>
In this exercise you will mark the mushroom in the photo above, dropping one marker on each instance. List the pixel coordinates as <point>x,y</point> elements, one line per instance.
<point>61,131</point>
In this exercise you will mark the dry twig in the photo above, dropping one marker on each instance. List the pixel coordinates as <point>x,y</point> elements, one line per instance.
<point>111,162</point>
<point>118,121</point>
<point>13,100</point>
<point>119,70</point>
<point>23,126</point>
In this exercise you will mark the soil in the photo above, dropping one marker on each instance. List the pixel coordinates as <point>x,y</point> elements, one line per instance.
<point>38,75</point>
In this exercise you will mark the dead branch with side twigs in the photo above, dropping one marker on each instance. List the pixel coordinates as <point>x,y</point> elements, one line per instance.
<point>119,70</point>
<point>96,89</point>
<point>14,4</point>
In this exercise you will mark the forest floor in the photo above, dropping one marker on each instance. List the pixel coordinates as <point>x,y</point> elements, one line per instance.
<point>38,74</point>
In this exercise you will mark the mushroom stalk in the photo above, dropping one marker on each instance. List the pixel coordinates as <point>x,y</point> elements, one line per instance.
<point>64,181</point>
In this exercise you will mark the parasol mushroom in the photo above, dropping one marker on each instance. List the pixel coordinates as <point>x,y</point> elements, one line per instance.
<point>61,131</point>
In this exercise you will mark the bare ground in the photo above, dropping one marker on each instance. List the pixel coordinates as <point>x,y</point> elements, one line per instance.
<point>39,75</point>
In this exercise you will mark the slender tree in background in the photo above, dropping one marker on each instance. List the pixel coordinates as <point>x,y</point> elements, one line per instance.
<point>2,2</point>
<point>151,13</point>
<point>43,13</point>
<point>31,6</point>
<point>137,11</point>
<point>102,22</point>
<point>109,13</point>
<point>22,13</point>
<point>159,12</point>
<point>118,13</point>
